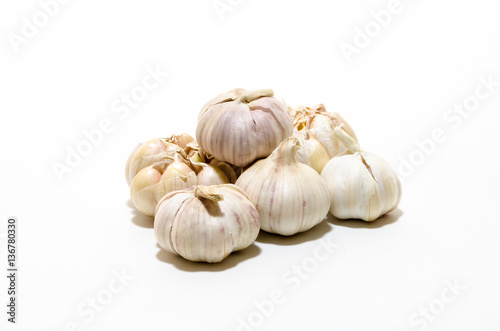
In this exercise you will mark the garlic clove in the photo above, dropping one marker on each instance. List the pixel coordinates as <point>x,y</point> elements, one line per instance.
<point>341,122</point>
<point>208,174</point>
<point>206,223</point>
<point>144,187</point>
<point>322,126</point>
<point>152,151</point>
<point>129,160</point>
<point>243,126</point>
<point>361,184</point>
<point>290,196</point>
<point>311,151</point>
<point>153,182</point>
<point>227,169</point>
<point>177,176</point>
<point>321,123</point>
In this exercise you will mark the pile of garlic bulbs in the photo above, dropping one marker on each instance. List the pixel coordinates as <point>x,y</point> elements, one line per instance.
<point>255,164</point>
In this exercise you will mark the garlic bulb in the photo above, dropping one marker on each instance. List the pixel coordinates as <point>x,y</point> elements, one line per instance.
<point>156,180</point>
<point>311,151</point>
<point>290,196</point>
<point>152,151</point>
<point>362,185</point>
<point>206,223</point>
<point>321,123</point>
<point>241,126</point>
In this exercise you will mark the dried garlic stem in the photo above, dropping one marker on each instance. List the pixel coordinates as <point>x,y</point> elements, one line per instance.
<point>256,94</point>
<point>207,192</point>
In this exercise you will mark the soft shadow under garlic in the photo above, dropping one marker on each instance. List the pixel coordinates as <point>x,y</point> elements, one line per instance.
<point>314,233</point>
<point>231,261</point>
<point>387,219</point>
<point>139,218</point>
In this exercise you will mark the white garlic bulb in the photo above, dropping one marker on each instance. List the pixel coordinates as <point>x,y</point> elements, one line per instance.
<point>311,151</point>
<point>361,184</point>
<point>158,179</point>
<point>290,196</point>
<point>241,126</point>
<point>206,223</point>
<point>321,123</point>
<point>145,154</point>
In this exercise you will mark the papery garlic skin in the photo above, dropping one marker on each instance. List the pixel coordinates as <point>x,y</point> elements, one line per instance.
<point>151,184</point>
<point>290,196</point>
<point>206,223</point>
<point>152,151</point>
<point>361,184</point>
<point>241,126</point>
<point>182,140</point>
<point>311,151</point>
<point>221,98</point>
<point>321,123</point>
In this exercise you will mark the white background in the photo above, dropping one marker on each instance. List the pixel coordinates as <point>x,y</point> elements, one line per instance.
<point>75,232</point>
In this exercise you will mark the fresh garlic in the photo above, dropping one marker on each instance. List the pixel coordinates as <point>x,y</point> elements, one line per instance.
<point>321,123</point>
<point>206,223</point>
<point>362,185</point>
<point>241,126</point>
<point>311,151</point>
<point>154,181</point>
<point>152,151</point>
<point>290,196</point>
